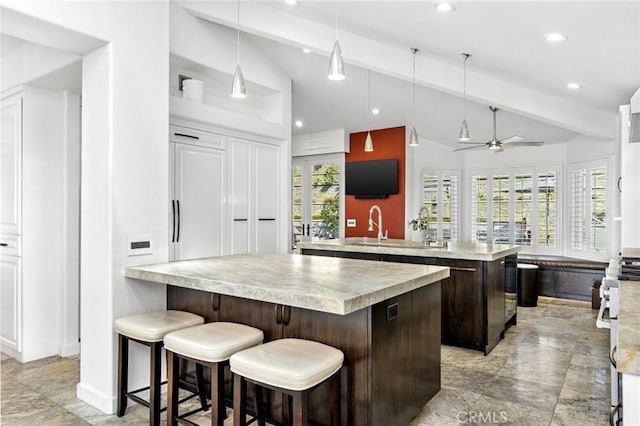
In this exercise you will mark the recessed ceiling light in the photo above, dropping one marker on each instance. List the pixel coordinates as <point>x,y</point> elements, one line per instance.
<point>573,85</point>
<point>375,111</point>
<point>306,50</point>
<point>555,37</point>
<point>291,2</point>
<point>298,123</point>
<point>444,6</point>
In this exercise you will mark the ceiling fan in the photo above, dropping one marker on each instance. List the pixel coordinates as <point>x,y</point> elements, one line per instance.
<point>495,144</point>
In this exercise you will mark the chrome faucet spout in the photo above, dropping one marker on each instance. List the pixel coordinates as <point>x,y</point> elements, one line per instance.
<point>381,236</point>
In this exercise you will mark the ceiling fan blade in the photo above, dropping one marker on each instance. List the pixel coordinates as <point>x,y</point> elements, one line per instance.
<point>469,147</point>
<point>514,138</point>
<point>523,143</point>
<point>473,143</point>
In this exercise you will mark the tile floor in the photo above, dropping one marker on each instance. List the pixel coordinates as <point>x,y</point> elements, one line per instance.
<point>551,369</point>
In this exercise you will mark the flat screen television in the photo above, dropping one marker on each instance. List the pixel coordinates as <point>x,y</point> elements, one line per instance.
<point>371,179</point>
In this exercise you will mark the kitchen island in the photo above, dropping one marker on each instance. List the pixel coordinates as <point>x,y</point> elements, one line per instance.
<point>384,317</point>
<point>479,297</point>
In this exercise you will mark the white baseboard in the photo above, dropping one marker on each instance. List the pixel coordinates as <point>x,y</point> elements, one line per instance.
<point>104,403</point>
<point>69,350</point>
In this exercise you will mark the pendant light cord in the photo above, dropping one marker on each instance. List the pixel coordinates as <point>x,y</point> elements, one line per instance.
<point>238,35</point>
<point>369,98</point>
<point>414,86</point>
<point>336,19</point>
<point>464,86</point>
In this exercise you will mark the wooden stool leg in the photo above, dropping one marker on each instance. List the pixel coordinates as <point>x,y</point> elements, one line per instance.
<point>218,410</point>
<point>123,373</point>
<point>300,403</point>
<point>200,385</point>
<point>286,409</point>
<point>154,385</point>
<point>239,401</point>
<point>173,371</point>
<point>334,401</point>
<point>260,406</point>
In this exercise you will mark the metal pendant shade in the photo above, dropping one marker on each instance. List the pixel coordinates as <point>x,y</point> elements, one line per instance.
<point>237,85</point>
<point>464,132</point>
<point>238,90</point>
<point>368,143</point>
<point>336,64</point>
<point>413,137</point>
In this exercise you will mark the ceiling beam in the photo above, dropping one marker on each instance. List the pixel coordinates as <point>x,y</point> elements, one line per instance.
<point>263,20</point>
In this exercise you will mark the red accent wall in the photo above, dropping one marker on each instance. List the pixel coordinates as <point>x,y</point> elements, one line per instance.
<point>387,144</point>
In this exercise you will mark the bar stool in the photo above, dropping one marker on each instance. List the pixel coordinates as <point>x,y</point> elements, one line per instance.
<point>149,329</point>
<point>210,345</point>
<point>293,367</point>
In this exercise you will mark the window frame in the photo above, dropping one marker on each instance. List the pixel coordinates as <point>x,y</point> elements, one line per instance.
<point>512,172</point>
<point>440,174</point>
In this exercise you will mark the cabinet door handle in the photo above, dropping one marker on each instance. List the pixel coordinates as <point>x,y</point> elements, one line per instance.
<point>178,232</point>
<point>215,302</point>
<point>267,218</point>
<point>187,136</point>
<point>4,245</point>
<point>239,220</point>
<point>620,184</point>
<point>457,268</point>
<point>286,315</point>
<point>173,215</point>
<point>278,314</point>
<point>308,230</point>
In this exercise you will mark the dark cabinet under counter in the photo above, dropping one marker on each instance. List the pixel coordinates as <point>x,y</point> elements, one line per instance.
<point>476,307</point>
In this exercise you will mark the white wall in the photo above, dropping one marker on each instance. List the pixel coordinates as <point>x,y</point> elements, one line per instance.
<point>124,170</point>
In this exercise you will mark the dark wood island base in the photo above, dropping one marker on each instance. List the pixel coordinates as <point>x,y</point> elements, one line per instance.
<point>392,348</point>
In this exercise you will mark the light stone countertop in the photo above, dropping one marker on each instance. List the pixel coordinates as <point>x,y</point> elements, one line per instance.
<point>628,352</point>
<point>454,250</point>
<point>631,252</point>
<point>326,284</point>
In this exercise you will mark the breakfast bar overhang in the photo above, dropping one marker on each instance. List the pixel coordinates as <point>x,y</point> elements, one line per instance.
<point>385,317</point>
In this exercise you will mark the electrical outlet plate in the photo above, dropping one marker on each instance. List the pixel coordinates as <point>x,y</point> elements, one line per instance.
<point>139,244</point>
<point>351,223</point>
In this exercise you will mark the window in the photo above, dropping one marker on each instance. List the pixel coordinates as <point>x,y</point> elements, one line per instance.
<point>316,197</point>
<point>440,199</point>
<point>516,207</point>
<point>588,208</point>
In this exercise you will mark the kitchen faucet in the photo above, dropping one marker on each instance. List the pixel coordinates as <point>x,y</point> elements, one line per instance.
<point>379,224</point>
<point>427,238</point>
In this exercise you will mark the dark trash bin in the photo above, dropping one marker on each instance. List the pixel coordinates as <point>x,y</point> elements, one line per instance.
<point>527,285</point>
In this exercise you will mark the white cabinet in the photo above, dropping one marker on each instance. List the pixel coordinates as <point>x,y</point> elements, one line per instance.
<point>254,194</point>
<point>198,206</point>
<point>33,229</point>
<point>629,159</point>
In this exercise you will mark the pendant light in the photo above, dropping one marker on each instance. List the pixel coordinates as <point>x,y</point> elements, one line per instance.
<point>368,143</point>
<point>464,130</point>
<point>413,136</point>
<point>336,64</point>
<point>237,85</point>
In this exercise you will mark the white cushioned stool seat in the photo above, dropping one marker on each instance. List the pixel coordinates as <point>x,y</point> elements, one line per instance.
<point>153,326</point>
<point>293,364</point>
<point>213,342</point>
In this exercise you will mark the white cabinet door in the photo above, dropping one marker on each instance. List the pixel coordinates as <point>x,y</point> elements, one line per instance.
<point>239,196</point>
<point>10,164</point>
<point>199,201</point>
<point>266,197</point>
<point>10,282</point>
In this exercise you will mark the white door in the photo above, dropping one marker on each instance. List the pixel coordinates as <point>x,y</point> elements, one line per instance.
<point>240,195</point>
<point>266,197</point>
<point>317,197</point>
<point>198,202</point>
<point>10,282</point>
<point>10,164</point>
